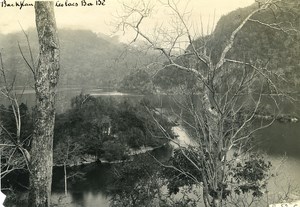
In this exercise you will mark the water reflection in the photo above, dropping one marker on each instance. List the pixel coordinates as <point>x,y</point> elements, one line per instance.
<point>94,189</point>
<point>80,199</point>
<point>90,191</point>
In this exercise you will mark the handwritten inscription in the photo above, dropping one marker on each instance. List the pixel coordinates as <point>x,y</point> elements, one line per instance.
<point>66,3</point>
<point>84,3</point>
<point>18,4</point>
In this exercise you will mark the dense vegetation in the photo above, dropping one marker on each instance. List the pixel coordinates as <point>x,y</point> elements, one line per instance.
<point>139,81</point>
<point>100,127</point>
<point>150,182</point>
<point>109,129</point>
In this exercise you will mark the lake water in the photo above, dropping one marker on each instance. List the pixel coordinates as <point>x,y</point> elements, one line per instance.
<point>90,192</point>
<point>278,140</point>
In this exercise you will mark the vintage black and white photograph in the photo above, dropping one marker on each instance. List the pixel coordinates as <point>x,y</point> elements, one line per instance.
<point>150,103</point>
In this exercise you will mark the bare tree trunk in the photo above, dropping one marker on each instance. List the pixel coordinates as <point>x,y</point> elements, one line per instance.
<point>213,145</point>
<point>46,78</point>
<point>66,179</point>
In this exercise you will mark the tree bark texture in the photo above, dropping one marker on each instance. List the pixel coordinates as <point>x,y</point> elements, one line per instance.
<point>46,78</point>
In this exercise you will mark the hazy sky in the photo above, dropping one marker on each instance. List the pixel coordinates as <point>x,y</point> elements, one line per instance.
<point>99,18</point>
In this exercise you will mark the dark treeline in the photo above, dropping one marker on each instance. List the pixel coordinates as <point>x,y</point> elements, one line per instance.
<point>108,129</point>
<point>102,127</point>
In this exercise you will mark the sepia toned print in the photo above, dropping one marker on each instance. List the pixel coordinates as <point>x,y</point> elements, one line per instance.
<point>149,103</point>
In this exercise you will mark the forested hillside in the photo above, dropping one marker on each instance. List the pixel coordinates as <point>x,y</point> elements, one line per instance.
<point>87,58</point>
<point>260,42</point>
<point>256,41</point>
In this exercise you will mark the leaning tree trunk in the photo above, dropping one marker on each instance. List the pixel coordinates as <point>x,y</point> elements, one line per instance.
<point>46,78</point>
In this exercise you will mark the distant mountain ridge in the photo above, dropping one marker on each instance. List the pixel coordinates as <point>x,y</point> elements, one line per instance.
<point>87,58</point>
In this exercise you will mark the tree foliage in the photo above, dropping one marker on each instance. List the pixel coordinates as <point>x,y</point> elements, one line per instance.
<point>108,129</point>
<point>137,183</point>
<point>139,81</point>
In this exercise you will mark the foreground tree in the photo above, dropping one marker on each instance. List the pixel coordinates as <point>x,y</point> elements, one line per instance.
<point>46,74</point>
<point>231,90</point>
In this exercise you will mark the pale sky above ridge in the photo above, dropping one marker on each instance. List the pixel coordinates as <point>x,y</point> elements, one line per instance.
<point>99,18</point>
